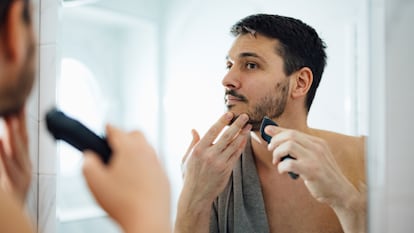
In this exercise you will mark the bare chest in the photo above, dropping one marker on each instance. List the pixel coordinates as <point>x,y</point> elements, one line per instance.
<point>290,208</point>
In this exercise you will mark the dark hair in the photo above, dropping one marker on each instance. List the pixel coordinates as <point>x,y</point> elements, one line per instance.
<point>300,45</point>
<point>4,11</point>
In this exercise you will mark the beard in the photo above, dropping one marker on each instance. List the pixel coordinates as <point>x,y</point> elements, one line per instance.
<point>272,105</point>
<point>13,97</point>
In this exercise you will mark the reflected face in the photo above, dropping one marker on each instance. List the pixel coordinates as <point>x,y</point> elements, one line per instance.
<point>17,85</point>
<point>255,82</point>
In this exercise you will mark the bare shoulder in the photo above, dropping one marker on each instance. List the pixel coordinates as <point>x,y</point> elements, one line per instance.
<point>349,152</point>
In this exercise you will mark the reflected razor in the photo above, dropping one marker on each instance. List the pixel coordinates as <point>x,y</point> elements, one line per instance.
<point>265,122</point>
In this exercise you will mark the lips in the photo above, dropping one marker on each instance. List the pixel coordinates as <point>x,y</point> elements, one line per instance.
<point>230,99</point>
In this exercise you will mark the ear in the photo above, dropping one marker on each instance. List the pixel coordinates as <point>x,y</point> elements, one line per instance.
<point>302,81</point>
<point>14,36</point>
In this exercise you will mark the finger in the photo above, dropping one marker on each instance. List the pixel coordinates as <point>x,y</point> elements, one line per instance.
<point>238,145</point>
<point>8,170</point>
<point>290,166</point>
<point>94,172</point>
<point>2,158</point>
<point>231,133</point>
<point>20,117</point>
<point>282,135</point>
<point>18,145</point>
<point>216,129</point>
<point>22,125</point>
<point>272,130</point>
<point>290,148</point>
<point>194,141</point>
<point>16,164</point>
<point>114,136</point>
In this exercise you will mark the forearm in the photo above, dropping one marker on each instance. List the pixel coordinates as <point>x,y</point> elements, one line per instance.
<point>193,216</point>
<point>154,219</point>
<point>352,212</point>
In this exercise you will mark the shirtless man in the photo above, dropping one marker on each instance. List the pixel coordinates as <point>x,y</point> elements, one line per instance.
<point>237,182</point>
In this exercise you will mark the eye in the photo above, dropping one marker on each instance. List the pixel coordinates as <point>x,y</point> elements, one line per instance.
<point>251,65</point>
<point>228,65</point>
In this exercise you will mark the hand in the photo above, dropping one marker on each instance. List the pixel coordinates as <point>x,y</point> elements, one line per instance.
<point>316,165</point>
<point>15,164</point>
<point>133,188</point>
<point>314,162</point>
<point>207,166</point>
<point>208,163</point>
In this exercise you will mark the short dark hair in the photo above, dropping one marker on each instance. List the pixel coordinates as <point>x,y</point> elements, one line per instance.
<point>4,11</point>
<point>300,45</point>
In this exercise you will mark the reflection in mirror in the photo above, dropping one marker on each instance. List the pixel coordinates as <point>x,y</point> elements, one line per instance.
<point>108,74</point>
<point>157,66</point>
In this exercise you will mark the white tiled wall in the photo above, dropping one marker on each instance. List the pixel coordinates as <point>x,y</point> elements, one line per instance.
<point>41,203</point>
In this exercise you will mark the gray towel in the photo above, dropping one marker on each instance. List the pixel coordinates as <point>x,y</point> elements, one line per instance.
<point>240,207</point>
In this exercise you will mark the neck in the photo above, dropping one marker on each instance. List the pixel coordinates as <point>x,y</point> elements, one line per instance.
<point>288,121</point>
<point>262,156</point>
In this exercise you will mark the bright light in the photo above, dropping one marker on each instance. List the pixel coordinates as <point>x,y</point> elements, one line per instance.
<point>78,96</point>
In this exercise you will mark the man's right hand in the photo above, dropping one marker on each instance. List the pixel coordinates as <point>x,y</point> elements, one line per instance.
<point>208,164</point>
<point>133,188</point>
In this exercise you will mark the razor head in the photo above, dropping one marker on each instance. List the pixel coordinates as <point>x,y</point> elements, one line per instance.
<point>265,122</point>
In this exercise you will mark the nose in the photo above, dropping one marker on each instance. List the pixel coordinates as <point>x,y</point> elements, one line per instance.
<point>232,79</point>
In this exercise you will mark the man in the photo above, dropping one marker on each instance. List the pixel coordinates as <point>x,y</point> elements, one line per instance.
<point>133,188</point>
<point>239,183</point>
<point>17,67</point>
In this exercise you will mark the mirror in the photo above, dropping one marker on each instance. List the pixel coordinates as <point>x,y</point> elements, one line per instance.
<point>105,56</point>
<point>157,66</point>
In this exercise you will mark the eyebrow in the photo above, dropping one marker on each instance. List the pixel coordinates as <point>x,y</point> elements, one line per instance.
<point>247,54</point>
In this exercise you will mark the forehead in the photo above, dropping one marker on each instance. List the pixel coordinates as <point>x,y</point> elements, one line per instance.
<point>259,45</point>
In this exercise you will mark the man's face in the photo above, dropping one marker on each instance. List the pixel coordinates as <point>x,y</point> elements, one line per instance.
<point>18,81</point>
<point>255,83</point>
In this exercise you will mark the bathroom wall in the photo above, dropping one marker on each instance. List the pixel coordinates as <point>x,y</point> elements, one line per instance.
<point>41,204</point>
<point>391,113</point>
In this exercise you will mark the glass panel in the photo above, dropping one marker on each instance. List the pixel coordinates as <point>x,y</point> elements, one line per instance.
<point>107,75</point>
<point>129,45</point>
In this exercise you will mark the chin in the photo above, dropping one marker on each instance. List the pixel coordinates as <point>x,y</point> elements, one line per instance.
<point>236,110</point>
<point>11,108</point>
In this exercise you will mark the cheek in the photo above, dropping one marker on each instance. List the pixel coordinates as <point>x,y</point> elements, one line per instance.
<point>253,86</point>
<point>255,90</point>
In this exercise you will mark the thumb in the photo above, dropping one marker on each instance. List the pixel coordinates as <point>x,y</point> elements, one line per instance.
<point>95,173</point>
<point>196,138</point>
<point>272,130</point>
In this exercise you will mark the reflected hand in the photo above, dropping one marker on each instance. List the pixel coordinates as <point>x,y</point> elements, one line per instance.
<point>208,164</point>
<point>133,188</point>
<point>314,162</point>
<point>15,164</point>
<point>323,177</point>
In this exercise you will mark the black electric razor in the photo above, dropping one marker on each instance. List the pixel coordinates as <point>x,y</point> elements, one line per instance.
<point>62,127</point>
<point>265,122</point>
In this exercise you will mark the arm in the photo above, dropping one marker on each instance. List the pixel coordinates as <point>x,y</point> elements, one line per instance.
<point>208,166</point>
<point>15,164</point>
<point>322,175</point>
<point>133,188</point>
<point>351,211</point>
